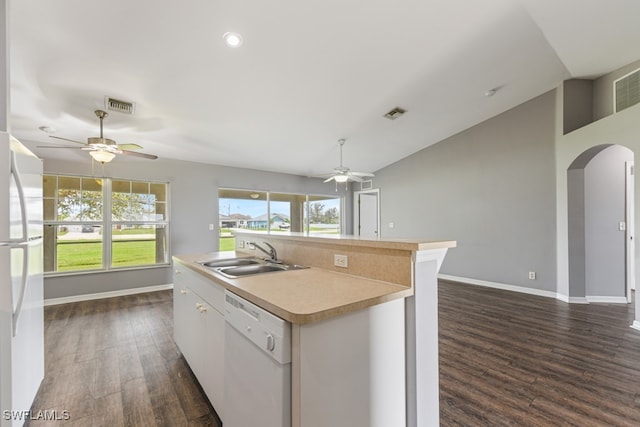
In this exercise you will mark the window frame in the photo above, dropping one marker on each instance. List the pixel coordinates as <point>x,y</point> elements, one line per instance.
<point>307,203</point>
<point>106,224</point>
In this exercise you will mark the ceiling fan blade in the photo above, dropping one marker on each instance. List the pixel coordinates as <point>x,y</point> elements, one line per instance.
<point>129,147</point>
<point>67,139</point>
<point>355,178</point>
<point>136,154</point>
<point>329,179</point>
<point>60,146</point>
<point>363,174</point>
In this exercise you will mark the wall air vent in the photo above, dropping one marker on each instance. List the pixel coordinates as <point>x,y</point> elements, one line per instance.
<point>113,104</point>
<point>626,91</point>
<point>395,113</point>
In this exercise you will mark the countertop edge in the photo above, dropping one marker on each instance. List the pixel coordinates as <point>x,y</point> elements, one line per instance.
<point>350,240</point>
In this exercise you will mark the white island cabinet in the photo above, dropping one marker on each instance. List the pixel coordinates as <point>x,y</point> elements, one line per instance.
<point>349,371</point>
<point>364,338</point>
<point>198,329</point>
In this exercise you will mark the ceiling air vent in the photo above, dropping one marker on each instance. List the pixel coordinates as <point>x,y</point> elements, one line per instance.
<point>395,113</point>
<point>113,104</point>
<point>627,91</point>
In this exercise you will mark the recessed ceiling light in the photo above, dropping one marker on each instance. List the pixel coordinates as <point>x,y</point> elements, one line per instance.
<point>491,92</point>
<point>232,39</point>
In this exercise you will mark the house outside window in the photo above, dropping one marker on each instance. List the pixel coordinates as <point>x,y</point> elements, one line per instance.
<point>98,224</point>
<point>275,212</point>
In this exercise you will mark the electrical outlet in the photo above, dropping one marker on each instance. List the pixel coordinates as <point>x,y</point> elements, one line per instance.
<point>241,244</point>
<point>532,275</point>
<point>210,227</point>
<point>341,261</point>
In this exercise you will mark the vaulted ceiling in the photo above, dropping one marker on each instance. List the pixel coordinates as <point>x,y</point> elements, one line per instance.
<point>307,73</point>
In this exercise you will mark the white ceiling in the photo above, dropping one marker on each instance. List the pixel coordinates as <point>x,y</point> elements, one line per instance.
<point>307,74</point>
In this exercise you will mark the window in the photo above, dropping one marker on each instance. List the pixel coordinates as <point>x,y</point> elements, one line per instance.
<point>104,224</point>
<point>276,213</point>
<point>324,215</point>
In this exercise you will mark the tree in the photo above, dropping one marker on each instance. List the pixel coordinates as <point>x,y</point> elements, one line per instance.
<point>316,213</point>
<point>76,205</point>
<point>331,216</point>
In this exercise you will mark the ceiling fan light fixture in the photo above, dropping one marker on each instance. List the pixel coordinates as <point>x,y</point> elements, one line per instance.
<point>102,156</point>
<point>341,178</point>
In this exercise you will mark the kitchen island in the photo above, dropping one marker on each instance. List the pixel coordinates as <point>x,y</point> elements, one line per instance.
<point>359,323</point>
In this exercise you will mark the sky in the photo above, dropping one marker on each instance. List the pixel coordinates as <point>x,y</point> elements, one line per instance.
<point>255,208</point>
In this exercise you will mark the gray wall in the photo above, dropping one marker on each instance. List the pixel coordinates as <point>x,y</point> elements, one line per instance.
<point>596,205</point>
<point>194,205</point>
<point>577,254</point>
<point>605,208</point>
<point>603,90</point>
<point>578,104</point>
<point>622,129</point>
<point>491,188</point>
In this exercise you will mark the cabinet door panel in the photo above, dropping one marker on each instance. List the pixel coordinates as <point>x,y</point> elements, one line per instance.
<point>181,313</point>
<point>199,330</point>
<point>212,360</point>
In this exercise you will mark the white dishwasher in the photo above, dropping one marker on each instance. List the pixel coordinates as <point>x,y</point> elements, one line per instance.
<point>257,357</point>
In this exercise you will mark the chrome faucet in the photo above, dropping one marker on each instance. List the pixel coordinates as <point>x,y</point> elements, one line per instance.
<point>273,255</point>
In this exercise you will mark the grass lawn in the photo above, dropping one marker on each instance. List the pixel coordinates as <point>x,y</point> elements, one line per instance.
<point>87,255</point>
<point>227,243</point>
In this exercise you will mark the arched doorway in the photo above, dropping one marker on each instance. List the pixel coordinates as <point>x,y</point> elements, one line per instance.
<point>600,220</point>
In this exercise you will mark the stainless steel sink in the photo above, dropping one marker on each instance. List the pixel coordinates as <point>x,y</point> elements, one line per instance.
<point>250,270</point>
<point>229,262</point>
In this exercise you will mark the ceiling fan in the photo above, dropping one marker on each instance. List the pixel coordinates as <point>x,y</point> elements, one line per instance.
<point>104,149</point>
<point>344,174</point>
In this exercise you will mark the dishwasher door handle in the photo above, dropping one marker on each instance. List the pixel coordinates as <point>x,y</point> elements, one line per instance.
<point>271,342</point>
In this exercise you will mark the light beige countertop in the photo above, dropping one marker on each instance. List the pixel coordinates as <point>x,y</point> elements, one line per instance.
<point>349,240</point>
<point>301,296</point>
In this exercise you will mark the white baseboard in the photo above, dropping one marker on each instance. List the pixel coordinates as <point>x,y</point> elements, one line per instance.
<point>636,325</point>
<point>503,286</point>
<point>575,300</point>
<point>607,300</point>
<point>538,292</point>
<point>110,294</point>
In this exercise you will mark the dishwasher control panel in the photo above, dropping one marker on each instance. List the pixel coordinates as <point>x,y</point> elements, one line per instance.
<point>268,332</point>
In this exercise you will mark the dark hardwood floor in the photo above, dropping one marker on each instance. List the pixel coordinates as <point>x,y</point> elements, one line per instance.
<point>113,362</point>
<point>506,359</point>
<point>509,359</point>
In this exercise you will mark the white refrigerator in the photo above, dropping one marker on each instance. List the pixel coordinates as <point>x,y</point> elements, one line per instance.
<point>21,281</point>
